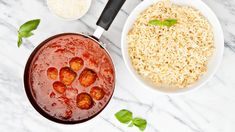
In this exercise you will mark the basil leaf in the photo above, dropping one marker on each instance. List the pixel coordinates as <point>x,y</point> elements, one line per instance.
<point>19,42</point>
<point>156,22</point>
<point>29,26</point>
<point>140,123</point>
<point>26,29</point>
<point>167,22</point>
<point>124,116</point>
<point>25,34</point>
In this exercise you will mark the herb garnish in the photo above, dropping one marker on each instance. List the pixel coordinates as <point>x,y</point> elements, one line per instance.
<point>125,116</point>
<point>26,29</point>
<point>166,22</point>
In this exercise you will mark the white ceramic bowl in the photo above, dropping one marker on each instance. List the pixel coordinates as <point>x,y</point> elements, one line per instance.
<point>78,16</point>
<point>213,63</point>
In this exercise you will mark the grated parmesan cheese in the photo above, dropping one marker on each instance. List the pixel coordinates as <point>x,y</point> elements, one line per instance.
<point>69,9</point>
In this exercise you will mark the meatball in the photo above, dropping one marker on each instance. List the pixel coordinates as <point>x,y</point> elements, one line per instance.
<point>76,63</point>
<point>87,77</point>
<point>52,73</point>
<point>97,93</point>
<point>67,75</point>
<point>84,101</point>
<point>59,87</point>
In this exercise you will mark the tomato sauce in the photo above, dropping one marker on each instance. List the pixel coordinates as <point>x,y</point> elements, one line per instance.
<point>71,77</point>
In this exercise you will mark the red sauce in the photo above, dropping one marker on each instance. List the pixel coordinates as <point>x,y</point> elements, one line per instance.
<point>71,77</point>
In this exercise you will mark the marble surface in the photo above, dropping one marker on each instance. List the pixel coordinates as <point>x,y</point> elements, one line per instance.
<point>209,109</point>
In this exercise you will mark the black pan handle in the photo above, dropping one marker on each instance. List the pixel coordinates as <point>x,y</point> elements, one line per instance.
<point>109,13</point>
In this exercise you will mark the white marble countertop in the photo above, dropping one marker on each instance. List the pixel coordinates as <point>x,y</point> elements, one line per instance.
<point>210,109</point>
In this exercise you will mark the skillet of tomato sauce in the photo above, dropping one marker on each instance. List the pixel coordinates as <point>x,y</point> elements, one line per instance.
<point>71,77</point>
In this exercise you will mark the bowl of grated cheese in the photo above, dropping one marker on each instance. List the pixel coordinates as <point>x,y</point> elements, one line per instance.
<point>69,9</point>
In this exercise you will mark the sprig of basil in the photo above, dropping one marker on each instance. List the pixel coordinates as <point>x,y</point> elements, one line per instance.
<point>166,22</point>
<point>140,123</point>
<point>125,116</point>
<point>26,29</point>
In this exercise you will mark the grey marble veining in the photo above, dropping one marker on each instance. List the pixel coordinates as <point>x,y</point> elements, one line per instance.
<point>210,109</point>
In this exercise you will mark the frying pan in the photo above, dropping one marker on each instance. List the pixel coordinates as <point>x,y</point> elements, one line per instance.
<point>109,13</point>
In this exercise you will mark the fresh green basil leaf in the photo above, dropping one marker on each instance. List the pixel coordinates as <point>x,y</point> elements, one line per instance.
<point>26,29</point>
<point>29,26</point>
<point>156,22</point>
<point>140,123</point>
<point>167,22</point>
<point>25,34</point>
<point>124,116</point>
<point>19,42</point>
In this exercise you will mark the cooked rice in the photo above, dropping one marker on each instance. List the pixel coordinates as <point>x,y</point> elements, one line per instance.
<point>172,57</point>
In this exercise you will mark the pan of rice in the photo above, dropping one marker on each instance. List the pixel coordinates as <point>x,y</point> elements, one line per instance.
<point>172,46</point>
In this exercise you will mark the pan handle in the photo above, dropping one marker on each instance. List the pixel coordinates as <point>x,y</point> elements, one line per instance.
<point>109,13</point>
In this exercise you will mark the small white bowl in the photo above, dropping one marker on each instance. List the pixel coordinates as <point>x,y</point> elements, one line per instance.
<point>53,10</point>
<point>213,63</point>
